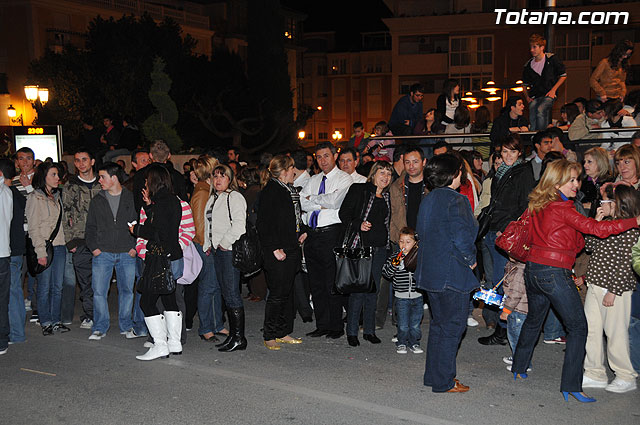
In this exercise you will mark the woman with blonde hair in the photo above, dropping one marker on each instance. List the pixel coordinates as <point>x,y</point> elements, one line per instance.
<point>556,238</point>
<point>225,221</point>
<point>281,232</point>
<point>209,294</point>
<point>597,171</point>
<point>627,164</point>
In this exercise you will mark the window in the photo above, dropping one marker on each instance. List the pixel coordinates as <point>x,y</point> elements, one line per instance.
<point>338,66</point>
<point>423,44</point>
<point>488,6</point>
<point>573,46</point>
<point>633,75</point>
<point>473,50</point>
<point>323,136</point>
<point>599,38</point>
<point>432,83</point>
<point>471,81</point>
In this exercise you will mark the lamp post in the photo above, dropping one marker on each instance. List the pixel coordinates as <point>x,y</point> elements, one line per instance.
<point>37,96</point>
<point>318,108</point>
<point>11,112</point>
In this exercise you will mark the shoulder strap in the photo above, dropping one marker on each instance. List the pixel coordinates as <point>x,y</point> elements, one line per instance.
<point>57,228</point>
<point>229,208</point>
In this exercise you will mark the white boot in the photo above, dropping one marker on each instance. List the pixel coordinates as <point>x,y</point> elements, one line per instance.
<point>158,330</point>
<point>174,329</point>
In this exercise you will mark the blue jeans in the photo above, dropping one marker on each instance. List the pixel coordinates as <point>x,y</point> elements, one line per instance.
<point>50,288</point>
<point>409,314</point>
<point>209,295</point>
<point>5,285</point>
<point>32,290</point>
<point>540,113</point>
<point>514,325</point>
<point>228,277</point>
<point>548,286</point>
<point>490,313</point>
<point>101,271</point>
<point>634,342</point>
<point>450,310</point>
<point>68,290</point>
<point>366,303</point>
<point>552,327</point>
<point>17,313</point>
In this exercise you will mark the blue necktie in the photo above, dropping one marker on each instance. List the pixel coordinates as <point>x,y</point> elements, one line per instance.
<point>313,220</point>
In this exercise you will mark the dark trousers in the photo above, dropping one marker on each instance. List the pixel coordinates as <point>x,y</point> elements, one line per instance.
<point>191,302</point>
<point>449,311</point>
<point>552,286</point>
<point>82,264</point>
<point>279,310</point>
<point>366,303</point>
<point>301,295</point>
<point>149,303</point>
<point>5,284</point>
<point>321,265</point>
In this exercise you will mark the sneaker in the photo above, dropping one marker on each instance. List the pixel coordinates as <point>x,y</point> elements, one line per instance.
<point>4,351</point>
<point>86,324</point>
<point>47,330</point>
<point>59,327</point>
<point>96,336</point>
<point>130,334</point>
<point>620,386</point>
<point>401,349</point>
<point>509,368</point>
<point>27,304</point>
<point>593,383</point>
<point>425,307</point>
<point>508,360</point>
<point>415,349</point>
<point>558,340</point>
<point>472,322</point>
<point>67,323</point>
<point>34,317</point>
<point>395,338</point>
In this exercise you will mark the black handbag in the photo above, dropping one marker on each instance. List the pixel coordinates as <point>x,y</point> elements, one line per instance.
<point>353,267</point>
<point>246,251</point>
<point>33,266</point>
<point>157,277</point>
<point>484,220</point>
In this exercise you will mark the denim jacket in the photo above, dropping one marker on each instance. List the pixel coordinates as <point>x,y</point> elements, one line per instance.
<point>447,231</point>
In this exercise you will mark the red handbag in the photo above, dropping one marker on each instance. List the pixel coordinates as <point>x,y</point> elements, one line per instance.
<point>516,238</point>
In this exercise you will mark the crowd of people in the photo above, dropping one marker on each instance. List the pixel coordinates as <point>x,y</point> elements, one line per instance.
<point>172,237</point>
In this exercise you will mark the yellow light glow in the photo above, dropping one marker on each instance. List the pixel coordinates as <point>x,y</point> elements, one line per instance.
<point>473,106</point>
<point>11,111</point>
<point>491,83</point>
<point>493,98</point>
<point>31,93</point>
<point>469,99</point>
<point>319,108</point>
<point>519,82</point>
<point>336,135</point>
<point>301,134</point>
<point>491,90</point>
<point>468,93</point>
<point>517,89</point>
<point>43,94</point>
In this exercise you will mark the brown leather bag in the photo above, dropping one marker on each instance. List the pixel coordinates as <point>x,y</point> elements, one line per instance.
<point>411,259</point>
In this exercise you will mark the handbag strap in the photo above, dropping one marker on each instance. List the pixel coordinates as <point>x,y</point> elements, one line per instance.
<point>57,228</point>
<point>229,208</point>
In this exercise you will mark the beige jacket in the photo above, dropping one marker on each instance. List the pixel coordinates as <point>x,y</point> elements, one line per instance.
<point>42,215</point>
<point>398,208</point>
<point>198,201</point>
<point>608,82</point>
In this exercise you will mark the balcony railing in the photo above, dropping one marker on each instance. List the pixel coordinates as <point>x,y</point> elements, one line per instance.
<point>138,7</point>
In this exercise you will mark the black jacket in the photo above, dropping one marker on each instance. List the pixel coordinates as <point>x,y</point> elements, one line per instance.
<point>177,181</point>
<point>106,232</point>
<point>17,240</point>
<point>353,209</point>
<point>163,222</point>
<point>276,223</point>
<point>511,195</point>
<point>541,84</point>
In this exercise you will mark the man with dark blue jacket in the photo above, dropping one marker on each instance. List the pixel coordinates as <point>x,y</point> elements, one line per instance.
<point>544,73</point>
<point>407,112</point>
<point>112,245</point>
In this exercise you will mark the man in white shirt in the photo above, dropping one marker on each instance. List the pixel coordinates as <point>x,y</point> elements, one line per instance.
<point>321,199</point>
<point>6,214</point>
<point>348,162</point>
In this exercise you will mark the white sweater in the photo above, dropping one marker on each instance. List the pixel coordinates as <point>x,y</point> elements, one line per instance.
<point>6,214</point>
<point>218,230</point>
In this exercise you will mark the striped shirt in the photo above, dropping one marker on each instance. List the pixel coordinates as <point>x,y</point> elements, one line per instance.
<point>404,282</point>
<point>186,232</point>
<point>24,191</point>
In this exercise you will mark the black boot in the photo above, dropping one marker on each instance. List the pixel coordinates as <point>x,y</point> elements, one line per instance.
<point>236,322</point>
<point>226,341</point>
<point>499,337</point>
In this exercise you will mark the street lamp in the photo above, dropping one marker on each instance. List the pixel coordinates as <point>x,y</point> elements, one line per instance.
<point>11,112</point>
<point>336,136</point>
<point>43,95</point>
<point>31,93</point>
<point>301,134</point>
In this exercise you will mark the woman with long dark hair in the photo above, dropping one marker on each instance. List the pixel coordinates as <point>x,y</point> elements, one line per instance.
<point>608,79</point>
<point>556,230</point>
<point>448,101</point>
<point>163,211</point>
<point>281,231</point>
<point>43,210</point>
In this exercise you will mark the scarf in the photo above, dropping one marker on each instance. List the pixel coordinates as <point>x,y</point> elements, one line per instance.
<point>502,170</point>
<point>295,198</point>
<point>387,219</point>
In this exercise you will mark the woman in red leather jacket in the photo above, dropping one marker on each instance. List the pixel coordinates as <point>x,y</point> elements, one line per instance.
<point>556,238</point>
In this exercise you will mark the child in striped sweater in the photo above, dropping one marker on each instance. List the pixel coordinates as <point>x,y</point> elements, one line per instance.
<point>409,304</point>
